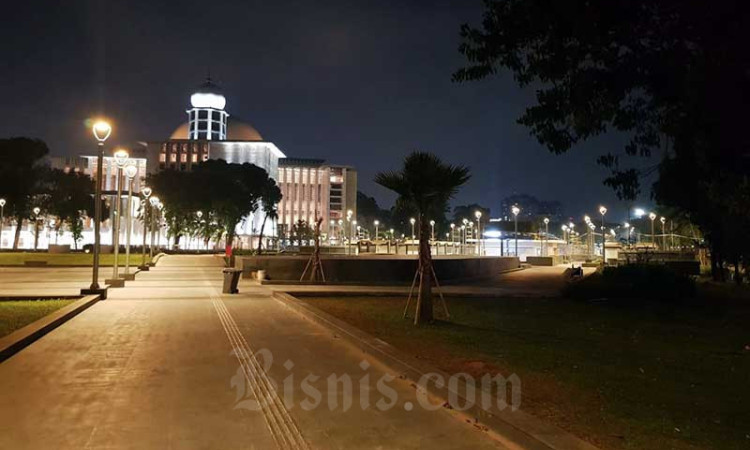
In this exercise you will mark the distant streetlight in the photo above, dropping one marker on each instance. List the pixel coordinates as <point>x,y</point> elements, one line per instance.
<point>652,216</point>
<point>515,210</point>
<point>101,130</point>
<point>154,201</point>
<point>663,221</point>
<point>121,158</point>
<point>145,209</point>
<point>453,232</point>
<point>130,172</point>
<point>412,221</point>
<point>432,228</point>
<point>2,220</point>
<point>377,224</point>
<point>639,212</point>
<point>546,235</point>
<point>462,237</point>
<point>36,211</point>
<point>478,216</point>
<point>603,211</point>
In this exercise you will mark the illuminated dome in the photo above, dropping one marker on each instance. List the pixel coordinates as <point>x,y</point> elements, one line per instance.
<point>208,95</point>
<point>236,131</point>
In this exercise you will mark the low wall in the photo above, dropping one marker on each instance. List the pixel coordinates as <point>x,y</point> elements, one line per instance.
<point>378,269</point>
<point>544,260</point>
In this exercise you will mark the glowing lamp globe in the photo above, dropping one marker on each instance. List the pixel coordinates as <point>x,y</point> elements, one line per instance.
<point>102,130</point>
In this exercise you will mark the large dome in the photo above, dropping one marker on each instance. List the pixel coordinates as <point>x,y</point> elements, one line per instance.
<point>236,131</point>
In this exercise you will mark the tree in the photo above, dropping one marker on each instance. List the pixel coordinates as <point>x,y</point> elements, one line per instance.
<point>425,184</point>
<point>179,193</point>
<point>671,74</point>
<point>21,174</point>
<point>301,230</point>
<point>469,212</point>
<point>70,195</point>
<point>270,197</point>
<point>368,211</point>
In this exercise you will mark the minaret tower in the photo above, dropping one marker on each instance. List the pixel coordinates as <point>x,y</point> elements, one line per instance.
<point>208,120</point>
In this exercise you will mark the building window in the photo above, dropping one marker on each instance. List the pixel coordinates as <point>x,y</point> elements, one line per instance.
<point>173,157</point>
<point>183,158</point>
<point>194,158</point>
<point>162,158</point>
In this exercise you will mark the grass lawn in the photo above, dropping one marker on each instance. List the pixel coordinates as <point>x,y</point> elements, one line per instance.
<point>17,314</point>
<point>624,377</point>
<point>61,259</point>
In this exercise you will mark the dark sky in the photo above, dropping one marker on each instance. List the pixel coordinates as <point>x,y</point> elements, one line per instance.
<point>354,82</point>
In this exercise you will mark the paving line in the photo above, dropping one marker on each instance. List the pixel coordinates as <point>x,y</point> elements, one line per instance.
<point>284,431</point>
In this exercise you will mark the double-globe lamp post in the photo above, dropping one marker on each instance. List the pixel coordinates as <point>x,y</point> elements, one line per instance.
<point>102,131</point>
<point>121,158</point>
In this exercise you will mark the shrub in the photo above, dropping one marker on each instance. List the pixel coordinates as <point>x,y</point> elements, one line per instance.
<point>633,281</point>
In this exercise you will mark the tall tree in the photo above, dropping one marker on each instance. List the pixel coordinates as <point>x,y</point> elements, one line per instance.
<point>270,197</point>
<point>178,191</point>
<point>673,74</point>
<point>70,197</point>
<point>425,184</point>
<point>21,176</point>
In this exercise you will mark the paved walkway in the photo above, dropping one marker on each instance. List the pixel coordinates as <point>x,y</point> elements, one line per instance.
<point>168,362</point>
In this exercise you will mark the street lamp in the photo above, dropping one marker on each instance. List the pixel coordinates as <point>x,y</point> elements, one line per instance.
<point>478,215</point>
<point>154,202</point>
<point>453,232</point>
<point>145,210</point>
<point>101,130</point>
<point>603,211</point>
<point>36,211</point>
<point>412,221</point>
<point>663,220</point>
<point>349,214</point>
<point>546,235</point>
<point>462,237</point>
<point>160,207</point>
<point>377,224</point>
<point>121,158</point>
<point>652,216</point>
<point>432,232</point>
<point>2,220</point>
<point>515,210</point>
<point>130,172</point>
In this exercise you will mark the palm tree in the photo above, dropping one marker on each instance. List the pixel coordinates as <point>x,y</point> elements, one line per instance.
<point>425,184</point>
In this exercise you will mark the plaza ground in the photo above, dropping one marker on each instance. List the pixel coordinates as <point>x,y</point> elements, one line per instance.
<point>619,375</point>
<point>156,366</point>
<point>64,259</point>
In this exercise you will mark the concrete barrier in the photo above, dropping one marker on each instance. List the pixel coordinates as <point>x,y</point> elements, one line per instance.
<point>544,260</point>
<point>378,269</point>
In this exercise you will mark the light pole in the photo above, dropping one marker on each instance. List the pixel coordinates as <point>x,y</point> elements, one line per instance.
<point>515,210</point>
<point>453,236</point>
<point>101,130</point>
<point>462,237</point>
<point>154,201</point>
<point>145,210</point>
<point>121,158</point>
<point>341,230</point>
<point>603,211</point>
<point>160,207</point>
<point>546,236</point>
<point>412,221</point>
<point>478,215</point>
<point>652,216</point>
<point>349,214</point>
<point>432,230</point>
<point>2,220</point>
<point>130,172</point>
<point>663,220</point>
<point>377,224</point>
<point>36,211</point>
<point>199,215</point>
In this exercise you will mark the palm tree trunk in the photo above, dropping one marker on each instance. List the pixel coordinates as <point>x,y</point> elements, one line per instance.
<point>260,237</point>
<point>424,299</point>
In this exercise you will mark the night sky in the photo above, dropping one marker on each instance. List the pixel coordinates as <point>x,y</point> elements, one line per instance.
<point>357,83</point>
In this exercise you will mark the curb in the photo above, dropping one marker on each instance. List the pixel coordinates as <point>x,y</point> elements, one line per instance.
<point>516,430</point>
<point>23,337</point>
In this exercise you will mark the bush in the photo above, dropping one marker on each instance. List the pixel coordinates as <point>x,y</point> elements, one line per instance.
<point>633,281</point>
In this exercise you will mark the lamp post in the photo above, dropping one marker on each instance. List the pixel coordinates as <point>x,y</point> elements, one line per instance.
<point>432,230</point>
<point>349,214</point>
<point>603,211</point>
<point>36,212</point>
<point>199,215</point>
<point>663,220</point>
<point>652,216</point>
<point>412,221</point>
<point>515,210</point>
<point>145,209</point>
<point>121,158</point>
<point>546,235</point>
<point>130,172</point>
<point>2,220</point>
<point>341,230</point>
<point>478,215</point>
<point>154,201</point>
<point>462,238</point>
<point>377,224</point>
<point>453,235</point>
<point>101,130</point>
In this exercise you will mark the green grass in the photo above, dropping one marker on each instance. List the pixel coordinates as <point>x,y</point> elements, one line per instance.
<point>62,259</point>
<point>17,314</point>
<point>621,376</point>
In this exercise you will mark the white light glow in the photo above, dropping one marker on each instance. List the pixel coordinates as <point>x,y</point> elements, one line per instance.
<point>207,100</point>
<point>493,234</point>
<point>640,212</point>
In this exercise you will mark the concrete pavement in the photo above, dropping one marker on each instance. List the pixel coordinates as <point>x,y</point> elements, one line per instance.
<point>169,362</point>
